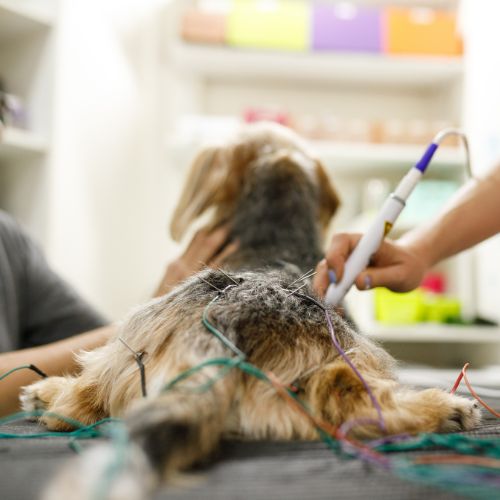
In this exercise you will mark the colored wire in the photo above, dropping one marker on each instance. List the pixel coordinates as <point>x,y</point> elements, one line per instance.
<point>493,463</point>
<point>216,332</point>
<point>25,367</point>
<point>81,431</point>
<point>460,443</point>
<point>344,356</point>
<point>142,370</point>
<point>463,375</point>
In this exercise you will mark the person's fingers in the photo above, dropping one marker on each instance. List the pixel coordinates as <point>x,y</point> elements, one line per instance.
<point>373,277</point>
<point>340,248</point>
<point>396,278</point>
<point>224,254</point>
<point>321,279</point>
<point>392,266</point>
<point>205,244</point>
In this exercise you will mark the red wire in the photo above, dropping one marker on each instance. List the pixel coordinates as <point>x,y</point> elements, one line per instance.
<point>463,375</point>
<point>322,424</point>
<point>336,432</point>
<point>459,379</point>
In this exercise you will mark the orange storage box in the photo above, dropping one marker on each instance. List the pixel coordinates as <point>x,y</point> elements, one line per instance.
<point>422,31</point>
<point>199,26</point>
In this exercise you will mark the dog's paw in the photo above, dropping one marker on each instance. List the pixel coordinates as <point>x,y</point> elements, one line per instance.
<point>31,397</point>
<point>462,415</point>
<point>42,394</point>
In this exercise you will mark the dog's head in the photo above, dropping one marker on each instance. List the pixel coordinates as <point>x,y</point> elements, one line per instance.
<point>219,175</point>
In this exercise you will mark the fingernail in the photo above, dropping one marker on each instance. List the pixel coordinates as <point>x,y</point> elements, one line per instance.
<point>332,276</point>
<point>368,282</point>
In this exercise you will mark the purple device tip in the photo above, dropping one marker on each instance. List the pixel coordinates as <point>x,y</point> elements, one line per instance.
<point>427,157</point>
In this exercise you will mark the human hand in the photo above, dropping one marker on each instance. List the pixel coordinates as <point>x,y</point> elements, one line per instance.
<point>397,266</point>
<point>207,248</point>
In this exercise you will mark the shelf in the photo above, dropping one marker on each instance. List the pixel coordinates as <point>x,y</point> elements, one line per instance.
<point>21,18</point>
<point>361,158</point>
<point>18,144</point>
<point>434,333</point>
<point>364,157</point>
<point>365,69</point>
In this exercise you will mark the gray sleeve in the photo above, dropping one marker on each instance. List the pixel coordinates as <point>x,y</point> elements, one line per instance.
<point>49,309</point>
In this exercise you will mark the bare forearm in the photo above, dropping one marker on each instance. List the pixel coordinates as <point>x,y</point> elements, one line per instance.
<point>54,359</point>
<point>472,216</point>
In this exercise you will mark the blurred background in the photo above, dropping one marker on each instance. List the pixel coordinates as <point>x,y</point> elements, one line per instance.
<point>105,102</point>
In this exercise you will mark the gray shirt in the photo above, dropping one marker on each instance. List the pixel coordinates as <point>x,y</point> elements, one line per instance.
<point>36,305</point>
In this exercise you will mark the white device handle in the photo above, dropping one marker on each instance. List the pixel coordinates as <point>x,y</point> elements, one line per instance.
<point>367,246</point>
<point>372,239</point>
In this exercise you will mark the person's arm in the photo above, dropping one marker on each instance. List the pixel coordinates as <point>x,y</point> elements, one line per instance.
<point>207,248</point>
<point>472,216</point>
<point>57,358</point>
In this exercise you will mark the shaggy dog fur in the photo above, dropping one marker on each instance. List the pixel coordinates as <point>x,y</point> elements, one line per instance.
<point>278,201</point>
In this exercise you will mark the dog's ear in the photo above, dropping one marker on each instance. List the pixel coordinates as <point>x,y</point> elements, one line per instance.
<point>329,200</point>
<point>205,179</point>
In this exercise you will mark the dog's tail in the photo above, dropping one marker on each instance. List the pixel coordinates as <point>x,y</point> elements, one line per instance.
<point>167,434</point>
<point>182,426</point>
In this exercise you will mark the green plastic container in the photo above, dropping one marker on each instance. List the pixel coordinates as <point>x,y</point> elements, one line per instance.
<point>418,306</point>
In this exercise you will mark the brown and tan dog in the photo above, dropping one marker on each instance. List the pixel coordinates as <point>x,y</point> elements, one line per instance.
<point>278,202</point>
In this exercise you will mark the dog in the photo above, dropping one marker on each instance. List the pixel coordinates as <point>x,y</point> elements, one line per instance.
<point>278,201</point>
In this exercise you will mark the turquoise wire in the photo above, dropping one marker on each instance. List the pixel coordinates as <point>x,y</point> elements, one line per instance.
<point>23,367</point>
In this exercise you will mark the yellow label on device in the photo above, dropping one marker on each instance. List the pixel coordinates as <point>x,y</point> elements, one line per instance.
<point>387,228</point>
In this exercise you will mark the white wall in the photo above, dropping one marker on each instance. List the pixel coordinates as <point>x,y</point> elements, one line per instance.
<point>110,194</point>
<point>482,119</point>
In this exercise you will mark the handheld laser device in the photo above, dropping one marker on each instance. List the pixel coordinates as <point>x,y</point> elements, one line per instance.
<point>393,206</point>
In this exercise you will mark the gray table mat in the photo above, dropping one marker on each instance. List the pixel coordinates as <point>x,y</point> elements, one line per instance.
<point>240,470</point>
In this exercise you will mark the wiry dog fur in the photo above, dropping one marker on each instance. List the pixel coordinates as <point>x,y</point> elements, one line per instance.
<point>278,202</point>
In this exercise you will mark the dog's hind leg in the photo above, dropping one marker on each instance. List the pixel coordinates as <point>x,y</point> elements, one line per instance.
<point>339,396</point>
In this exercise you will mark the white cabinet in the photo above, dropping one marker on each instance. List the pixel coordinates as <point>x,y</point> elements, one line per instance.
<point>26,69</point>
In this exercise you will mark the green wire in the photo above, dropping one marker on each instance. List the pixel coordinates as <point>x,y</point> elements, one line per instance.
<point>82,431</point>
<point>120,441</point>
<point>217,333</point>
<point>465,445</point>
<point>23,367</point>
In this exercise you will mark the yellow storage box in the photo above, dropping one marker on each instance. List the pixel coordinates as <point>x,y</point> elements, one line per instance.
<point>269,24</point>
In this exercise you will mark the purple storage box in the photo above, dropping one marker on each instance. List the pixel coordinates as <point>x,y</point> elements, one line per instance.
<point>346,27</point>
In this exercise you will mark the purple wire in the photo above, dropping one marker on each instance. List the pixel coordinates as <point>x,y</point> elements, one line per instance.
<point>396,438</point>
<point>346,427</point>
<point>336,343</point>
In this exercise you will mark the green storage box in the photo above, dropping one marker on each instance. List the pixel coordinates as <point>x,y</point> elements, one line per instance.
<point>414,307</point>
<point>399,308</point>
